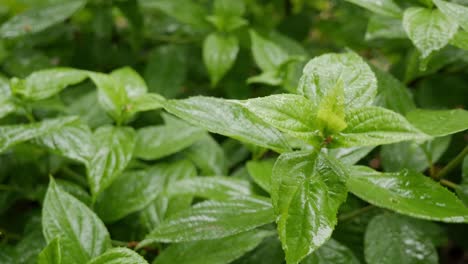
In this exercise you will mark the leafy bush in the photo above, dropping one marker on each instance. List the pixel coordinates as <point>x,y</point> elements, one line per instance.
<point>184,131</point>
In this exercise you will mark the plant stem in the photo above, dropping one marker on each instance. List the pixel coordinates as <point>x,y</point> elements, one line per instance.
<point>9,235</point>
<point>452,164</point>
<point>74,176</point>
<point>449,184</point>
<point>351,215</point>
<point>4,187</point>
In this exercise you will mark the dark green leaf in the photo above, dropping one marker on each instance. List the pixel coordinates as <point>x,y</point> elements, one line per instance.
<point>155,142</point>
<point>391,238</point>
<point>332,252</point>
<point>208,155</point>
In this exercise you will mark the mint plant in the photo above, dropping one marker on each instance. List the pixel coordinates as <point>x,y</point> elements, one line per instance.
<point>183,131</point>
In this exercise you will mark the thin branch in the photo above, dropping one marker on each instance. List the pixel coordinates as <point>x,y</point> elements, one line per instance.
<point>452,164</point>
<point>351,215</point>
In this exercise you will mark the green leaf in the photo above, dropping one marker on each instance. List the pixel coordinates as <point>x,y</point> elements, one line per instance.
<point>119,256</point>
<point>186,11</point>
<point>332,252</point>
<point>216,251</point>
<point>229,119</point>
<point>7,106</point>
<point>321,75</point>
<point>267,54</point>
<point>392,238</point>
<point>214,188</point>
<point>51,254</point>
<point>381,7</point>
<point>213,219</point>
<point>410,155</point>
<point>112,95</point>
<point>428,29</point>
<point>46,83</point>
<point>306,189</point>
<point>73,141</point>
<point>208,155</point>
<point>350,156</point>
<point>155,142</point>
<point>11,135</point>
<point>164,205</point>
<point>371,126</point>
<point>82,234</point>
<point>392,94</point>
<point>132,82</point>
<point>331,112</point>
<point>130,192</point>
<point>114,149</point>
<point>145,102</point>
<point>382,27</point>
<point>460,40</point>
<point>462,190</point>
<point>439,123</point>
<point>166,70</point>
<point>292,114</point>
<point>219,54</point>
<point>408,193</point>
<point>229,8</point>
<point>454,11</point>
<point>38,19</point>
<point>261,172</point>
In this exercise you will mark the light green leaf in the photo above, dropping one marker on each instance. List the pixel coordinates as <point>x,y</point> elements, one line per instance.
<point>82,234</point>
<point>7,106</point>
<point>213,219</point>
<point>428,29</point>
<point>11,135</point>
<point>462,190</point>
<point>408,193</point>
<point>261,172</point>
<point>267,54</point>
<point>229,119</point>
<point>392,238</point>
<point>350,156</point>
<point>371,126</point>
<point>381,7</point>
<point>131,191</point>
<point>218,251</point>
<point>114,149</point>
<point>164,205</point>
<point>439,123</point>
<point>460,40</point>
<point>51,254</point>
<point>272,78</point>
<point>145,102</point>
<point>155,142</point>
<point>208,155</point>
<point>454,11</point>
<point>119,256</point>
<point>331,112</point>
<point>46,83</point>
<point>219,55</point>
<point>392,94</point>
<point>213,188</point>
<point>73,141</point>
<point>306,189</point>
<point>382,27</point>
<point>229,8</point>
<point>132,82</point>
<point>331,252</point>
<point>322,74</point>
<point>112,96</point>
<point>38,19</point>
<point>292,114</point>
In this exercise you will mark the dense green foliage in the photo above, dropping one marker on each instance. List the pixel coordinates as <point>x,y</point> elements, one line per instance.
<point>233,131</point>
